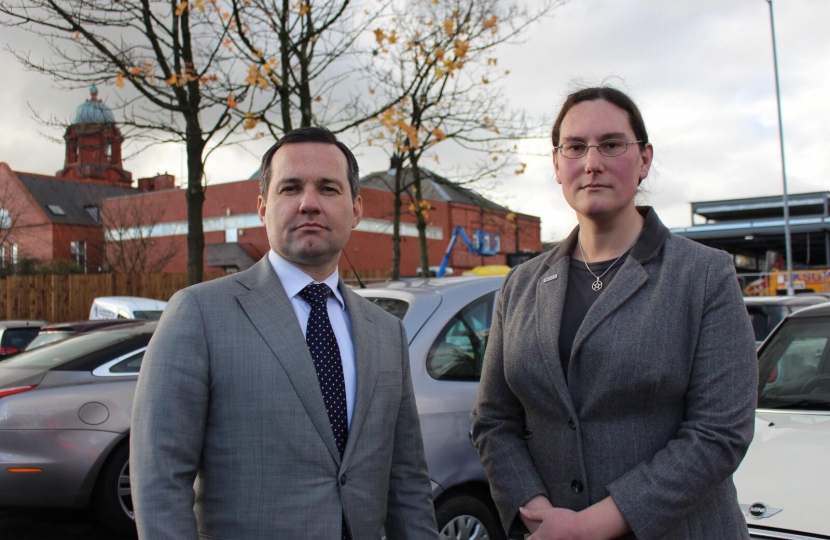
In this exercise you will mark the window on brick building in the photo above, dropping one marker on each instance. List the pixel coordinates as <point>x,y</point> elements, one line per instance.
<point>5,219</point>
<point>78,252</point>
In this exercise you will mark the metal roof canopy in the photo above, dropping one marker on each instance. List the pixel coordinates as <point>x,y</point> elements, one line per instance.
<point>755,225</point>
<point>801,204</point>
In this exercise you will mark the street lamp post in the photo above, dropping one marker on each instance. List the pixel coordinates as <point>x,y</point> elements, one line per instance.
<point>787,238</point>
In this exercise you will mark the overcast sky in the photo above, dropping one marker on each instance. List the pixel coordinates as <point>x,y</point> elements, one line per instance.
<point>701,71</point>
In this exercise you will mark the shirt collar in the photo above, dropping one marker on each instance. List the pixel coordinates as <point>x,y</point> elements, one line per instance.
<point>295,280</point>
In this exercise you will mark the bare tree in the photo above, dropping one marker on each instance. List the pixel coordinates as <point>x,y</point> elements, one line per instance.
<point>12,206</point>
<point>132,243</point>
<point>438,56</point>
<point>301,58</point>
<point>182,78</point>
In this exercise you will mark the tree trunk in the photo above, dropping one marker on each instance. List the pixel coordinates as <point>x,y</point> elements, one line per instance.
<point>396,225</point>
<point>195,196</point>
<point>421,220</point>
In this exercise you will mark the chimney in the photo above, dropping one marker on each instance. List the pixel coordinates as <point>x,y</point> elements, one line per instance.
<point>157,183</point>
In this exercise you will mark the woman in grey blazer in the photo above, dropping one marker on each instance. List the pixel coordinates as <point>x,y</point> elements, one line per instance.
<point>620,379</point>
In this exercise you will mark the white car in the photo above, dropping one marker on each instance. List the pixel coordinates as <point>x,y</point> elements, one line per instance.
<point>783,481</point>
<point>126,307</point>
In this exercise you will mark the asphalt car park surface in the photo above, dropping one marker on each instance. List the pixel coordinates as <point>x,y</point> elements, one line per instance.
<point>51,524</point>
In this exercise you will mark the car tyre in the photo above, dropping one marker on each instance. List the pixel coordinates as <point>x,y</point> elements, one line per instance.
<point>112,500</point>
<point>465,517</point>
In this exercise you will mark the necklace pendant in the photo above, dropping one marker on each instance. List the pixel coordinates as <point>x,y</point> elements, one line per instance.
<point>596,286</point>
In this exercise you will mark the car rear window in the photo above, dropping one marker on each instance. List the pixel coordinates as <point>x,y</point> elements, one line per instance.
<point>794,366</point>
<point>59,353</point>
<point>18,338</point>
<point>47,338</point>
<point>393,306</point>
<point>147,315</point>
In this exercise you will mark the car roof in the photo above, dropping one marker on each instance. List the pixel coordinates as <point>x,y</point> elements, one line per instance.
<point>85,326</point>
<point>22,324</point>
<point>797,300</point>
<point>132,302</point>
<point>429,285</point>
<point>820,310</point>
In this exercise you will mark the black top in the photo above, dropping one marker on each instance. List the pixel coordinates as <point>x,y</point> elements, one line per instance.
<point>578,300</point>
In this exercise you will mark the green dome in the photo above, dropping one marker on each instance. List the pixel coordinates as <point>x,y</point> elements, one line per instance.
<point>93,111</point>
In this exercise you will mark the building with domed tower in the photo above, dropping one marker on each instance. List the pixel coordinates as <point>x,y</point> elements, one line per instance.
<point>58,217</point>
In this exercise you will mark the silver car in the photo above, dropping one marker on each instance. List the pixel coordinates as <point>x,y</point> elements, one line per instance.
<point>448,321</point>
<point>65,408</point>
<point>64,423</point>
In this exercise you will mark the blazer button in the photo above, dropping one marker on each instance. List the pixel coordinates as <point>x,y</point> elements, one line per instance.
<point>571,424</point>
<point>576,486</point>
<point>343,480</point>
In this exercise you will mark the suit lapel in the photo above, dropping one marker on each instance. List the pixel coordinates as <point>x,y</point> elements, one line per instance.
<point>630,278</point>
<point>267,306</point>
<point>550,300</point>
<point>365,365</point>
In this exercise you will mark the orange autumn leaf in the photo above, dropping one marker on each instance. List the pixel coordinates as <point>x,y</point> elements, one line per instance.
<point>250,123</point>
<point>379,35</point>
<point>180,9</point>
<point>449,26</point>
<point>135,70</point>
<point>521,169</point>
<point>119,80</point>
<point>438,134</point>
<point>490,23</point>
<point>304,9</point>
<point>232,104</point>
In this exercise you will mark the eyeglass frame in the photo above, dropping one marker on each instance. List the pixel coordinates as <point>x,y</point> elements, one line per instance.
<point>589,146</point>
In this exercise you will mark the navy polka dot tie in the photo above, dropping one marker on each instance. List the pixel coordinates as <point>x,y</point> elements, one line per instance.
<point>326,354</point>
<point>322,344</point>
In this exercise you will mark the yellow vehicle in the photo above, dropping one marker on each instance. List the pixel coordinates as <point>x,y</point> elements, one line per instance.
<point>805,280</point>
<point>488,270</point>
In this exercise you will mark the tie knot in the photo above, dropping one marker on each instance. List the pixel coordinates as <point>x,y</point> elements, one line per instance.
<point>316,294</point>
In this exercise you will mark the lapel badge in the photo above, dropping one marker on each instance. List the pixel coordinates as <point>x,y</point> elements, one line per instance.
<point>550,278</point>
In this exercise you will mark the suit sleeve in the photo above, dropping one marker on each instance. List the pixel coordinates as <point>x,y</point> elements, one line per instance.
<point>498,427</point>
<point>410,514</point>
<point>168,423</point>
<point>719,422</point>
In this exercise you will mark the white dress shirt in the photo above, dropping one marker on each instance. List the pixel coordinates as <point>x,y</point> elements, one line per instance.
<point>295,280</point>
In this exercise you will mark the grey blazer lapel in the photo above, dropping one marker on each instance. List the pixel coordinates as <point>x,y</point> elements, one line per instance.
<point>630,278</point>
<point>550,301</point>
<point>366,365</point>
<point>267,306</point>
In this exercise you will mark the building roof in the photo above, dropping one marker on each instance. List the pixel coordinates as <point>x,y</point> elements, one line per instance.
<point>753,208</point>
<point>64,201</point>
<point>437,188</point>
<point>93,111</point>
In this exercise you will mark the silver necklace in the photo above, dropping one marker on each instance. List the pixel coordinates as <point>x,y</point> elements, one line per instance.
<point>597,285</point>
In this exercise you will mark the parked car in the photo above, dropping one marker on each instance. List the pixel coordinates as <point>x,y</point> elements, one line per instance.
<point>16,335</point>
<point>448,321</point>
<point>766,312</point>
<point>64,423</point>
<point>71,449</point>
<point>60,331</point>
<point>782,482</point>
<point>126,307</point>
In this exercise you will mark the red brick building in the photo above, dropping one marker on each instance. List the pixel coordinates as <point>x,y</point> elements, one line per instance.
<point>235,238</point>
<point>58,217</point>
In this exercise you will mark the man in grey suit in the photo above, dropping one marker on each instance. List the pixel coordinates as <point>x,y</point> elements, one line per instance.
<point>286,397</point>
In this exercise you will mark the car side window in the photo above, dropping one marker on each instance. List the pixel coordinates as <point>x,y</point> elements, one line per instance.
<point>458,352</point>
<point>795,368</point>
<point>129,365</point>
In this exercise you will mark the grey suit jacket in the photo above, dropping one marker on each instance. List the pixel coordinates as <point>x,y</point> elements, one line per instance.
<point>658,406</point>
<point>228,396</point>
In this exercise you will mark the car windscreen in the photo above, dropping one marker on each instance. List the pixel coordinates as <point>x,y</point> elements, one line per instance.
<point>18,338</point>
<point>393,306</point>
<point>47,338</point>
<point>147,315</point>
<point>765,318</point>
<point>794,366</point>
<point>68,350</point>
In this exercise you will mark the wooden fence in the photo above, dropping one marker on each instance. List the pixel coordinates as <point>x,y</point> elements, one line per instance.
<point>69,297</point>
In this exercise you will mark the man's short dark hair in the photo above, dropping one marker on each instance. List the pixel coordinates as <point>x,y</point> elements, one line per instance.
<point>311,134</point>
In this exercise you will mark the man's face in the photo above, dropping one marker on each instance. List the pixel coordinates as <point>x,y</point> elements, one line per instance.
<point>309,212</point>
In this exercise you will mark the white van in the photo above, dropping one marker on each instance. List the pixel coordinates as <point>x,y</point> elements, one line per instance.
<point>126,307</point>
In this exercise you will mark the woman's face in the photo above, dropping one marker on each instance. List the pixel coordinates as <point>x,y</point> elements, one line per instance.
<point>596,186</point>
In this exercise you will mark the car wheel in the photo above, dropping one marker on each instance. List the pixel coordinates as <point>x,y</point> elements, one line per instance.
<point>112,500</point>
<point>464,517</point>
